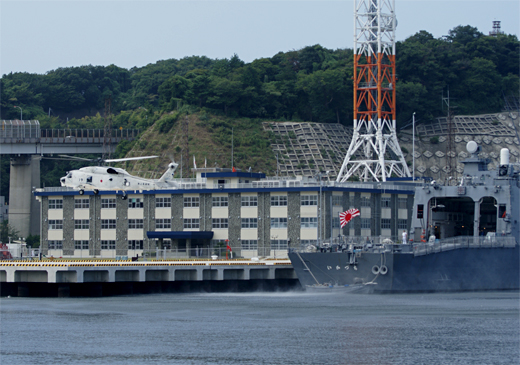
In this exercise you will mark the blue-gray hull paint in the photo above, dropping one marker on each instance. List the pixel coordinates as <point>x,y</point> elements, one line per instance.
<point>463,269</point>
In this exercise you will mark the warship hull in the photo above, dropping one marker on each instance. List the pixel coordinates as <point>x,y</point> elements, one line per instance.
<point>432,270</point>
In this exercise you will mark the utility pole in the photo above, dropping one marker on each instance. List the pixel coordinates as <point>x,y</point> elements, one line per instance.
<point>107,134</point>
<point>413,146</point>
<point>186,145</point>
<point>450,143</point>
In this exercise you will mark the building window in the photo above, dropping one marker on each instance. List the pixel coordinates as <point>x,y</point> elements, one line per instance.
<point>81,224</point>
<point>191,202</point>
<point>81,245</point>
<point>309,200</point>
<point>337,200</point>
<point>279,245</point>
<point>191,223</point>
<point>402,203</point>
<point>55,245</point>
<point>249,201</point>
<point>163,202</point>
<point>135,244</point>
<point>219,223</point>
<point>249,222</point>
<point>385,202</point>
<point>135,224</point>
<point>278,222</point>
<point>309,222</point>
<point>304,243</point>
<point>135,203</point>
<point>365,223</point>
<point>402,224</point>
<point>365,201</point>
<point>108,245</point>
<point>220,201</point>
<point>165,223</point>
<point>55,203</point>
<point>249,244</point>
<point>108,224</point>
<point>385,223</point>
<point>221,184</point>
<point>278,200</point>
<point>55,224</point>
<point>109,203</point>
<point>81,203</point>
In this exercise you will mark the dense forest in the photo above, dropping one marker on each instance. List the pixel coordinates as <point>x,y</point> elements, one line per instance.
<point>310,84</point>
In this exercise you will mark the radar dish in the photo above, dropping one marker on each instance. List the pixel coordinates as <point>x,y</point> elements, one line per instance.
<point>472,147</point>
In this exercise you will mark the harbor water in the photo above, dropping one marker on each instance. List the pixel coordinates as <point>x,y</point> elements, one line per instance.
<point>263,328</point>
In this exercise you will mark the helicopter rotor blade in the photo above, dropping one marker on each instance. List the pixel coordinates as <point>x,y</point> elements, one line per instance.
<point>130,159</point>
<point>77,158</point>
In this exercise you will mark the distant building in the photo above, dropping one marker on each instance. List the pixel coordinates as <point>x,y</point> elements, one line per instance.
<point>254,215</point>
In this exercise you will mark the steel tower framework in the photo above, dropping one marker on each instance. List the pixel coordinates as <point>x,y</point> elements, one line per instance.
<point>374,96</point>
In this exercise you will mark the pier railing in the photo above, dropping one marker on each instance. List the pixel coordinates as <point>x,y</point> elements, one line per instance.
<point>203,253</point>
<point>462,242</point>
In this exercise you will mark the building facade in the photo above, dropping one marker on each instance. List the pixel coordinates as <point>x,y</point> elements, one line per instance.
<point>253,215</point>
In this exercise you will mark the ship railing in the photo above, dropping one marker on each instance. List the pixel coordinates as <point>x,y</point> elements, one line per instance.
<point>455,243</point>
<point>355,243</point>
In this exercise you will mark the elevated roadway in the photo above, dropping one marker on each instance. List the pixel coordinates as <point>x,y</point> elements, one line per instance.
<point>26,143</point>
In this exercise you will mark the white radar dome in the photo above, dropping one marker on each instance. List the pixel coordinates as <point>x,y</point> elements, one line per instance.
<point>504,156</point>
<point>472,147</point>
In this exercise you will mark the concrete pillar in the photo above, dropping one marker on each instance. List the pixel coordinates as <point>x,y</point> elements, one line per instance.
<point>24,209</point>
<point>220,274</point>
<point>271,273</point>
<point>111,275</point>
<point>200,271</point>
<point>51,275</point>
<point>476,219</point>
<point>9,273</point>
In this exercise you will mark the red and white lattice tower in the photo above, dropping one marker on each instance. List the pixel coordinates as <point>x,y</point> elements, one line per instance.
<point>374,135</point>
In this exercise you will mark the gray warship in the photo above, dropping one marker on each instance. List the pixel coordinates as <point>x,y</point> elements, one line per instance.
<point>464,236</point>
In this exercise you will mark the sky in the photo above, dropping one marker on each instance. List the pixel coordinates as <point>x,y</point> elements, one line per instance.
<point>40,36</point>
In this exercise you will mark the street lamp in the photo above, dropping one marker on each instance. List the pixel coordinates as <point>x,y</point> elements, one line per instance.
<point>413,146</point>
<point>20,111</point>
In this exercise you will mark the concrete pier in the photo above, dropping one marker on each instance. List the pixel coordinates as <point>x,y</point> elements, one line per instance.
<point>104,277</point>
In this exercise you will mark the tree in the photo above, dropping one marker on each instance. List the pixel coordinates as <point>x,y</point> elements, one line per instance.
<point>174,89</point>
<point>224,93</point>
<point>416,99</point>
<point>464,34</point>
<point>7,232</point>
<point>33,241</point>
<point>329,93</point>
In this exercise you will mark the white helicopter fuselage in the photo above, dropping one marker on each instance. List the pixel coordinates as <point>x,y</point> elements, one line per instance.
<point>98,178</point>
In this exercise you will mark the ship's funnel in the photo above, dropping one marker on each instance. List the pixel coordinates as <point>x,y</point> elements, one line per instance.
<point>504,156</point>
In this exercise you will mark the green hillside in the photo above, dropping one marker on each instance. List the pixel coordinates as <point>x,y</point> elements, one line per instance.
<point>218,96</point>
<point>210,141</point>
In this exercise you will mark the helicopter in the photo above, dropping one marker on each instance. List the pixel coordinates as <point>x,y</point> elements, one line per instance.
<point>96,178</point>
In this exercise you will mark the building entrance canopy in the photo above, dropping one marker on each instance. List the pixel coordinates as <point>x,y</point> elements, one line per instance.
<point>194,235</point>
